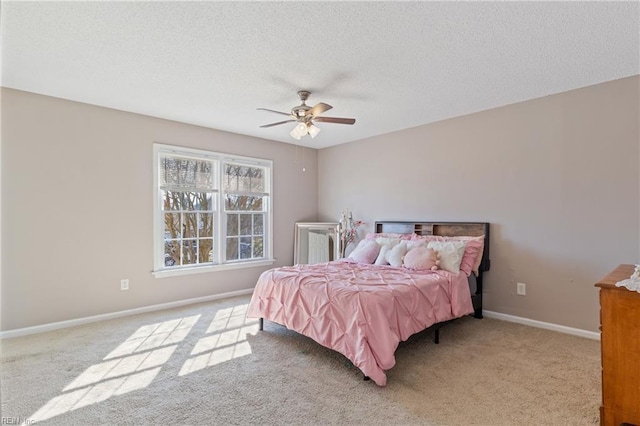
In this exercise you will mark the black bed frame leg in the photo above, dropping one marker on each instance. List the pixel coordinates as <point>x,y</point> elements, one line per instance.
<point>477,313</point>
<point>261,324</point>
<point>436,338</point>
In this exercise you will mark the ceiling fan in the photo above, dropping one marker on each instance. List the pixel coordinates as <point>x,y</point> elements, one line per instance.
<point>305,115</point>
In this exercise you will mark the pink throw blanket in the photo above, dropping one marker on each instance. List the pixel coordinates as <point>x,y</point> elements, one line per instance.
<point>362,311</point>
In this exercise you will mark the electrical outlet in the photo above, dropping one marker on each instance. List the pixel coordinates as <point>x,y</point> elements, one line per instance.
<point>521,289</point>
<point>124,284</point>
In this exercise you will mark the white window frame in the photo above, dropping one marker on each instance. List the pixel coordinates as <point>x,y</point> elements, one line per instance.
<point>220,226</point>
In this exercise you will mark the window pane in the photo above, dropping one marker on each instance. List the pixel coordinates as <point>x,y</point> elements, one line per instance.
<point>245,248</point>
<point>232,248</point>
<point>203,201</point>
<point>171,253</point>
<point>257,180</point>
<point>189,200</point>
<point>237,178</point>
<point>258,247</point>
<point>189,225</point>
<point>245,224</point>
<point>205,252</point>
<point>258,227</point>
<point>169,171</point>
<point>231,202</point>
<point>243,179</point>
<point>171,200</point>
<point>176,200</point>
<point>189,252</point>
<point>186,173</point>
<point>205,225</point>
<point>230,182</point>
<point>245,203</point>
<point>171,225</point>
<point>232,225</point>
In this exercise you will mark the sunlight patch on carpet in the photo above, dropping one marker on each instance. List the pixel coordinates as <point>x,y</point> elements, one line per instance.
<point>122,367</point>
<point>131,366</point>
<point>233,317</point>
<point>155,335</point>
<point>227,340</point>
<point>86,396</point>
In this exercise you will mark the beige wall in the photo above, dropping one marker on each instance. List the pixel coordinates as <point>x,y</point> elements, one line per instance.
<point>77,208</point>
<point>557,177</point>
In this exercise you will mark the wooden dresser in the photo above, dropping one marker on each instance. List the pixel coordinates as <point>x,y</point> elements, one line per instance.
<point>620,343</point>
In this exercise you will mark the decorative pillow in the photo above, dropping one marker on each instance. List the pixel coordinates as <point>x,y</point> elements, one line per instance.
<point>415,243</point>
<point>382,256</point>
<point>387,241</point>
<point>422,258</point>
<point>451,253</point>
<point>472,254</point>
<point>394,255</point>
<point>478,261</point>
<point>365,252</point>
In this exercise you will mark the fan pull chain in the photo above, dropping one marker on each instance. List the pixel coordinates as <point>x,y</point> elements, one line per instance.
<point>304,169</point>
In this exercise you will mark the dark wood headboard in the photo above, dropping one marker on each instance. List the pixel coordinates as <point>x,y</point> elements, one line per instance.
<point>448,229</point>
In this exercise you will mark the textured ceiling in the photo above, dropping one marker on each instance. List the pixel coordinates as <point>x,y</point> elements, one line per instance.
<point>390,65</point>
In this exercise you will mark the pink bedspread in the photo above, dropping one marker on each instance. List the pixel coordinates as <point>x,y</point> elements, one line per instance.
<point>362,311</point>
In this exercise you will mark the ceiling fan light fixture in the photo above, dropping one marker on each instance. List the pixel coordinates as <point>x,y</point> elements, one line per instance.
<point>313,130</point>
<point>299,131</point>
<point>294,134</point>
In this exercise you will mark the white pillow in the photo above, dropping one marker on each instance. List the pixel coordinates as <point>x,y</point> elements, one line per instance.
<point>413,244</point>
<point>451,253</point>
<point>397,252</point>
<point>387,241</point>
<point>382,256</point>
<point>365,252</point>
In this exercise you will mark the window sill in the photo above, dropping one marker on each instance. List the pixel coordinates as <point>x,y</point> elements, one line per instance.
<point>213,268</point>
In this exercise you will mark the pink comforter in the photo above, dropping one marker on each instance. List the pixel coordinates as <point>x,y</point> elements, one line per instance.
<point>362,311</point>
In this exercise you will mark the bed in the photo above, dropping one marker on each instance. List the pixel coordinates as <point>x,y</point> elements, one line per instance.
<point>364,310</point>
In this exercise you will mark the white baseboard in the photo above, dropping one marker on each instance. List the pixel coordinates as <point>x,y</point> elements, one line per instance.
<point>86,320</point>
<point>539,324</point>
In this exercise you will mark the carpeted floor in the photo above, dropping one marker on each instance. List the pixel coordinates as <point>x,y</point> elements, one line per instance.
<point>208,364</point>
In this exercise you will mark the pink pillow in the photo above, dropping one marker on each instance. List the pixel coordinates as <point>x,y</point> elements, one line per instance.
<point>366,252</point>
<point>476,264</point>
<point>472,255</point>
<point>421,258</point>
